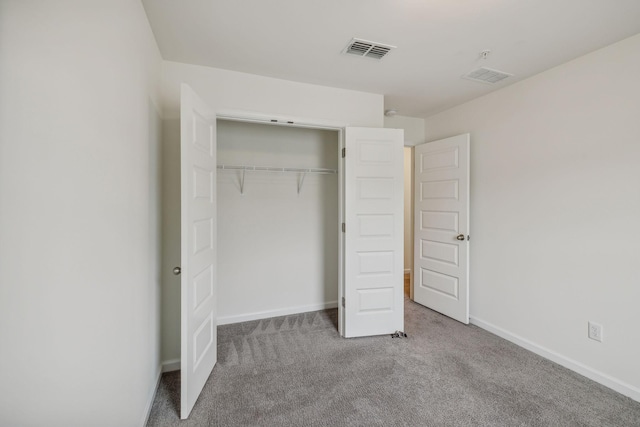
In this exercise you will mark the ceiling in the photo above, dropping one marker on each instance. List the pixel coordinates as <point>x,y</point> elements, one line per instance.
<point>437,41</point>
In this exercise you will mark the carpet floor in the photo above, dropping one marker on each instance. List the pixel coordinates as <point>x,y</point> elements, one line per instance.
<point>297,371</point>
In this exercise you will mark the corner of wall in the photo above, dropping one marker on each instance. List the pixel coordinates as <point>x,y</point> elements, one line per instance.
<point>414,128</point>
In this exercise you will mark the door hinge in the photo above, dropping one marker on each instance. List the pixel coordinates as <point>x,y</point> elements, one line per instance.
<point>344,228</point>
<point>344,153</point>
<point>343,301</point>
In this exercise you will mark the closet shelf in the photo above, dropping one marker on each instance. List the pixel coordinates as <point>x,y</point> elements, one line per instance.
<point>274,169</point>
<point>302,171</point>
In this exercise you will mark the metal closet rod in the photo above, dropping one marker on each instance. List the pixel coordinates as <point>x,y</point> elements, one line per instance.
<point>275,169</point>
<point>303,171</point>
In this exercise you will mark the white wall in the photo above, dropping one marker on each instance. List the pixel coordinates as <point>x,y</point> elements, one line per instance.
<point>170,305</point>
<point>413,128</point>
<point>227,91</point>
<point>79,284</point>
<point>277,249</point>
<point>554,211</point>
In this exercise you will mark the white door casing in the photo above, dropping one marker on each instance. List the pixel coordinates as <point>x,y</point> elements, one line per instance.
<point>374,180</point>
<point>441,226</point>
<point>198,247</point>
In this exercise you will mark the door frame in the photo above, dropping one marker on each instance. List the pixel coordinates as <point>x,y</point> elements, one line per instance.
<point>411,214</point>
<point>288,121</point>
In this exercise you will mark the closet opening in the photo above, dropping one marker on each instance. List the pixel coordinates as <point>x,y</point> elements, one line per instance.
<point>278,208</point>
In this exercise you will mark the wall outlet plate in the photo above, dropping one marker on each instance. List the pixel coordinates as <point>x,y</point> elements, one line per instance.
<point>595,331</point>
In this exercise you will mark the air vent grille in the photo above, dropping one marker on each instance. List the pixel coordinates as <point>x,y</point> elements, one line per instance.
<point>486,75</point>
<point>367,49</point>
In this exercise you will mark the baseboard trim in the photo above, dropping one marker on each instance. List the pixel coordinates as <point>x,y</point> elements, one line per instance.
<point>171,365</point>
<point>147,411</point>
<point>274,313</point>
<point>597,376</point>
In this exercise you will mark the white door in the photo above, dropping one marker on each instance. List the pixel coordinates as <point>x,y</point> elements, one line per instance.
<point>441,246</point>
<point>198,247</point>
<point>373,290</point>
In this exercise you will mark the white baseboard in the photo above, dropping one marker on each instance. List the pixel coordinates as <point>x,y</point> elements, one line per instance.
<point>171,365</point>
<point>274,313</point>
<point>597,376</point>
<point>147,410</point>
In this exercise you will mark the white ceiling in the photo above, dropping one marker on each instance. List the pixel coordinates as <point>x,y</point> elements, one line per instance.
<point>437,41</point>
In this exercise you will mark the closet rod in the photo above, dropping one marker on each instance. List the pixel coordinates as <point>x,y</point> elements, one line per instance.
<point>303,171</point>
<point>278,169</point>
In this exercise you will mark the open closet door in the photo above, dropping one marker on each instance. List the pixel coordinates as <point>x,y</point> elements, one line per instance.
<point>198,247</point>
<point>441,247</point>
<point>373,291</point>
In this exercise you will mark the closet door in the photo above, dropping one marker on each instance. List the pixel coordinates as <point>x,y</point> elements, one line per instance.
<point>198,247</point>
<point>374,201</point>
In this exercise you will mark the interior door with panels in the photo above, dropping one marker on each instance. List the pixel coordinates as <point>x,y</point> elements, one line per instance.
<point>441,240</point>
<point>198,247</point>
<point>373,269</point>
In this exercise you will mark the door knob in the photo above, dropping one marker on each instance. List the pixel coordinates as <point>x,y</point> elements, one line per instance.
<point>177,270</point>
<point>460,237</point>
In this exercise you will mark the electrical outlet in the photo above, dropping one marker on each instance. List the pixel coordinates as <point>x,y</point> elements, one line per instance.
<point>595,331</point>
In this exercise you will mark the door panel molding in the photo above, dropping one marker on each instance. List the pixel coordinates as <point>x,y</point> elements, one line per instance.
<point>374,237</point>
<point>441,214</point>
<point>198,247</point>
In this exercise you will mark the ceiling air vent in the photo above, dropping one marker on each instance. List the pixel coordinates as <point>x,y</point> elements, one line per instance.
<point>486,75</point>
<point>368,49</point>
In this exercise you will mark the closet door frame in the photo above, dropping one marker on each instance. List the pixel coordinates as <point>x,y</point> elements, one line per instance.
<point>275,120</point>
